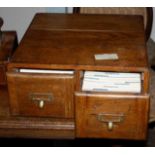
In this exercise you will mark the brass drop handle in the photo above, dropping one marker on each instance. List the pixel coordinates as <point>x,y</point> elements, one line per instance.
<point>40,99</point>
<point>41,104</point>
<point>110,119</point>
<point>110,126</point>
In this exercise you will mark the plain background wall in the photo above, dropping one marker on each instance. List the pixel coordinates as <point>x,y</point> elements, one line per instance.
<point>19,18</point>
<point>153,26</point>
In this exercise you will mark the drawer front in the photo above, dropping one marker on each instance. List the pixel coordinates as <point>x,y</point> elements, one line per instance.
<point>111,116</point>
<point>2,75</point>
<point>41,94</point>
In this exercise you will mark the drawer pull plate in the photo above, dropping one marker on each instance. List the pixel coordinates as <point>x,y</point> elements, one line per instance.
<point>110,119</point>
<point>41,98</point>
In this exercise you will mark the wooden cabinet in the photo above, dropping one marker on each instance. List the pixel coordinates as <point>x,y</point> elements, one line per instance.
<point>56,102</point>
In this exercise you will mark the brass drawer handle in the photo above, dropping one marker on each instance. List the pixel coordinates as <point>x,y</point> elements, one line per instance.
<point>110,125</point>
<point>110,119</point>
<point>41,104</point>
<point>41,98</point>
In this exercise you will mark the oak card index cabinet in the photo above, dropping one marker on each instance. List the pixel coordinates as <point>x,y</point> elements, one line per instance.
<point>69,69</point>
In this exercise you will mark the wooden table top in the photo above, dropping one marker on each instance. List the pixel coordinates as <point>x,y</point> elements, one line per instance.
<point>71,41</point>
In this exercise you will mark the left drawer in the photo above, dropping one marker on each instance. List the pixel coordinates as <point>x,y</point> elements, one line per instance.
<point>47,95</point>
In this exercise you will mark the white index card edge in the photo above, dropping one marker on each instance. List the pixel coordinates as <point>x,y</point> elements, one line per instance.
<point>45,71</point>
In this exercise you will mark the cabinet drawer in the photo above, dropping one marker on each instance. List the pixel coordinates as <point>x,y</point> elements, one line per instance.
<point>111,116</point>
<point>41,94</point>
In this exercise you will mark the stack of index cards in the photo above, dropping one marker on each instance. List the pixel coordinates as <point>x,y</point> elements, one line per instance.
<point>111,82</point>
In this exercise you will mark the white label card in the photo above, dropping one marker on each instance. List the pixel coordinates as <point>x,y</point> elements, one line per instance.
<point>107,56</point>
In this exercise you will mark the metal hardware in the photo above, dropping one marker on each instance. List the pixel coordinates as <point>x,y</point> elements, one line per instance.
<point>110,119</point>
<point>41,104</point>
<point>110,125</point>
<point>41,98</point>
